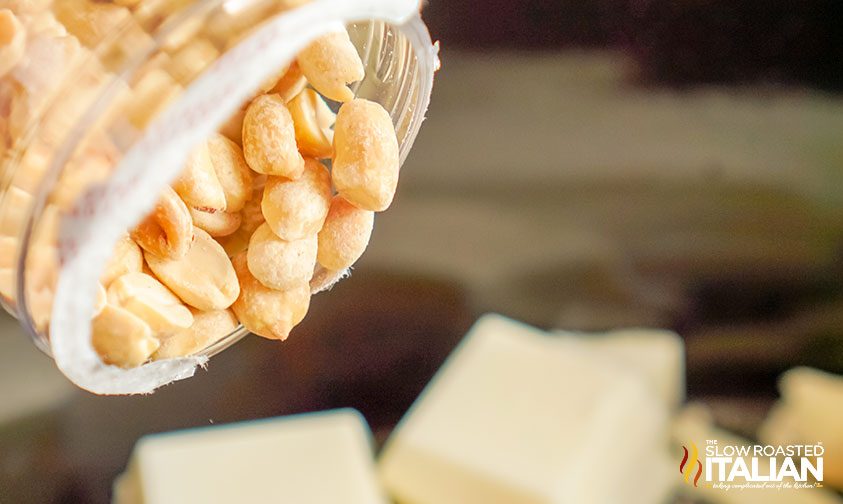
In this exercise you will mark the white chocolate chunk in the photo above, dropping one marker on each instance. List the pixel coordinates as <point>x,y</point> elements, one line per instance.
<point>519,416</point>
<point>306,459</point>
<point>694,422</point>
<point>657,355</point>
<point>810,410</point>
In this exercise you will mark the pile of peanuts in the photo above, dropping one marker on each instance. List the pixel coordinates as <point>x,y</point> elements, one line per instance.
<point>252,226</point>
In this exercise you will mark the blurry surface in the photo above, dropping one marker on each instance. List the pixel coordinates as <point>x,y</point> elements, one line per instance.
<point>574,198</point>
<point>19,360</point>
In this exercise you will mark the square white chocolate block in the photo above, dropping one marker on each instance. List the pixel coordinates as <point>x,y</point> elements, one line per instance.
<point>315,458</point>
<point>518,416</point>
<point>656,354</point>
<point>810,410</point>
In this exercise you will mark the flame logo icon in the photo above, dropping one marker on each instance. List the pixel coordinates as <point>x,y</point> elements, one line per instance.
<point>689,461</point>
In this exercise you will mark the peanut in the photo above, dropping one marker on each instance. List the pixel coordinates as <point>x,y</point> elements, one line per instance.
<point>150,95</point>
<point>251,218</point>
<point>101,300</point>
<point>26,6</point>
<point>42,23</point>
<point>295,209</point>
<point>208,328</point>
<point>12,41</point>
<point>42,270</point>
<point>198,184</point>
<point>233,127</point>
<point>8,285</point>
<point>167,232</point>
<point>248,228</point>
<point>90,21</point>
<point>149,300</point>
<point>126,258</point>
<point>192,59</point>
<point>33,168</point>
<point>330,63</point>
<point>203,278</point>
<point>268,84</point>
<point>281,264</point>
<point>266,312</point>
<point>269,138</point>
<point>232,172</point>
<point>8,252</point>
<point>14,210</point>
<point>77,176</point>
<point>290,84</point>
<point>345,235</point>
<point>215,223</point>
<point>365,164</point>
<point>46,229</point>
<point>312,119</point>
<point>121,338</point>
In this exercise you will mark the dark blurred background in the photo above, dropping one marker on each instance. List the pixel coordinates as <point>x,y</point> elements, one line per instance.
<point>674,42</point>
<point>585,166</point>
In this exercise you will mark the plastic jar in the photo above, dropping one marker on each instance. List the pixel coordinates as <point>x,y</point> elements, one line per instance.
<point>102,110</point>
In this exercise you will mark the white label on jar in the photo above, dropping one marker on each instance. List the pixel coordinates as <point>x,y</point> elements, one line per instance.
<point>104,212</point>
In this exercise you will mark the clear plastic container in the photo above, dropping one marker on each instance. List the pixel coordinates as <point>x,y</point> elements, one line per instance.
<point>104,87</point>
